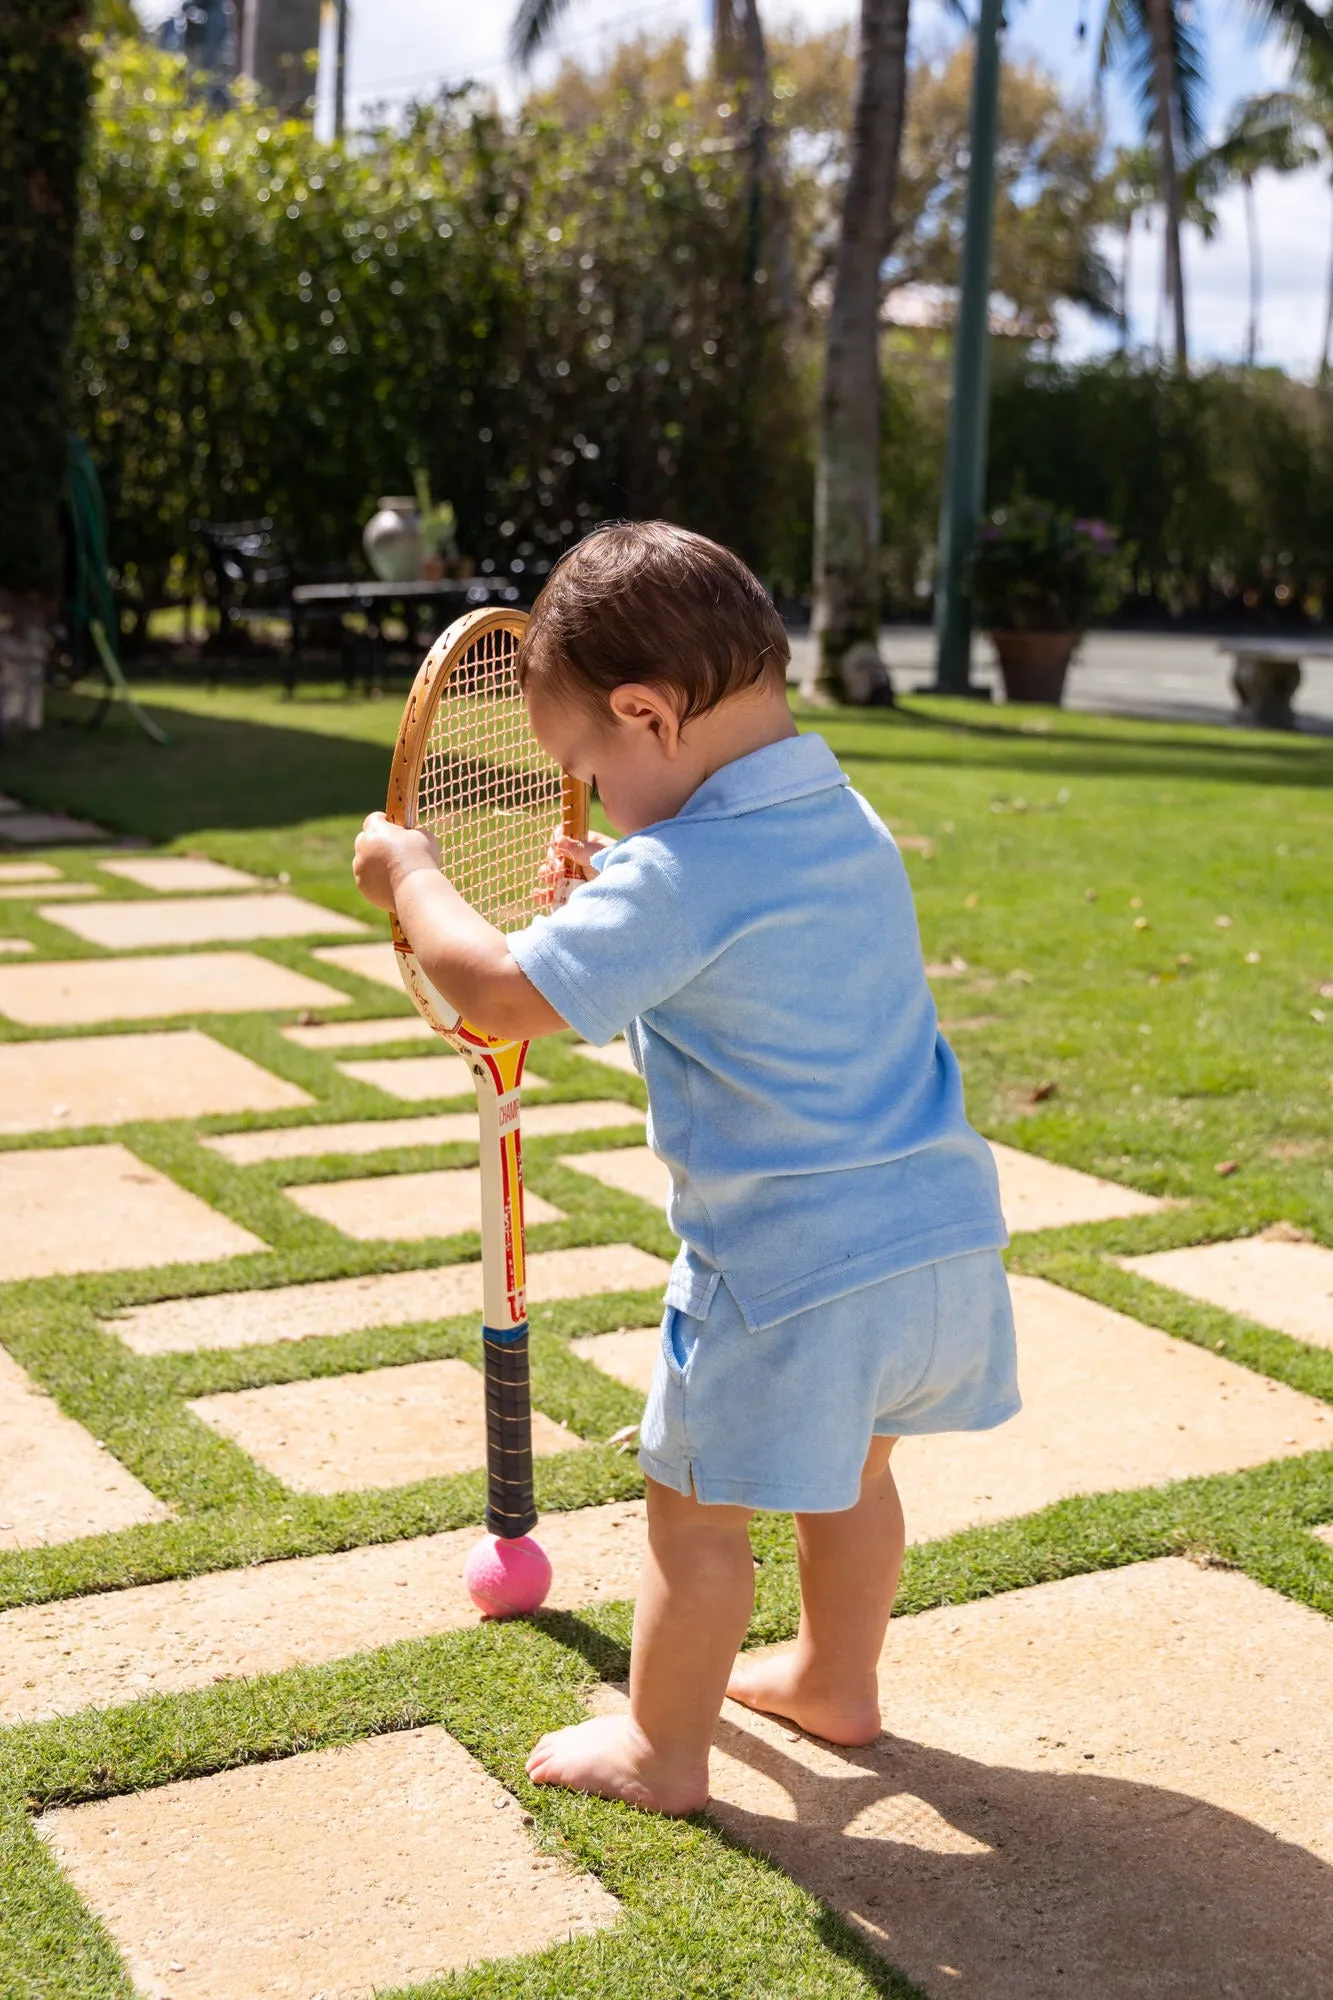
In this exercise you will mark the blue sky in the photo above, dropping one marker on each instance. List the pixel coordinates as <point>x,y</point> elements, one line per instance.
<point>401,47</point>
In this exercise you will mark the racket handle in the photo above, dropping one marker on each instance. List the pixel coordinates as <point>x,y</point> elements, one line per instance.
<point>511,1509</point>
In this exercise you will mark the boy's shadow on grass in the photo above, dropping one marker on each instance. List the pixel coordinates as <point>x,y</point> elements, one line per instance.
<point>991,1883</point>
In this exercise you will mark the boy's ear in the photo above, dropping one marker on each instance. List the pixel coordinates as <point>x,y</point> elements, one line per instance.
<point>652,709</point>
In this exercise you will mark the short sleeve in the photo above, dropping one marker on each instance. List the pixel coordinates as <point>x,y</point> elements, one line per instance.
<point>623,942</point>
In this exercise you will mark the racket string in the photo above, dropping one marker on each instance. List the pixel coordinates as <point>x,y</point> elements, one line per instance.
<point>486,789</point>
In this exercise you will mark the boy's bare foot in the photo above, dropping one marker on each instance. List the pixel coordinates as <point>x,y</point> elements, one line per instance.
<point>774,1686</point>
<point>612,1758</point>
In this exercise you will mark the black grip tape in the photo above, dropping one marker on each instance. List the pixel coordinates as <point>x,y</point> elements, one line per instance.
<point>511,1509</point>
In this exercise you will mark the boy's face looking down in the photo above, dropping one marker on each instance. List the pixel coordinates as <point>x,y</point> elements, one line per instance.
<point>643,760</point>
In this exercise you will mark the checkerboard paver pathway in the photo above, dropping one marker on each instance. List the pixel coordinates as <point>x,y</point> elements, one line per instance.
<point>1117,1781</point>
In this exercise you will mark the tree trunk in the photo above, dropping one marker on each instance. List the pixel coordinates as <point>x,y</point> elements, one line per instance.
<point>43,124</point>
<point>1328,323</point>
<point>1256,276</point>
<point>1164,79</point>
<point>847,575</point>
<point>1124,284</point>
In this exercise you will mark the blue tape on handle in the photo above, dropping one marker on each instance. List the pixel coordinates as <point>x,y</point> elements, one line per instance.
<point>505,1336</point>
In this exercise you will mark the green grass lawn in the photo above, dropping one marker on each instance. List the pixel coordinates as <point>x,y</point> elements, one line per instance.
<point>1143,916</point>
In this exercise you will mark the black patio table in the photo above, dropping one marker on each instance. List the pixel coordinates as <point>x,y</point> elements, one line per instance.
<point>420,604</point>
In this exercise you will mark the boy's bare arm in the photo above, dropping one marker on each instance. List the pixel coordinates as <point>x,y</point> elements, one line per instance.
<point>465,958</point>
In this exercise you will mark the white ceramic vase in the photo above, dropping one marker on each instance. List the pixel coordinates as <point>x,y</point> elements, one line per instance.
<point>392,540</point>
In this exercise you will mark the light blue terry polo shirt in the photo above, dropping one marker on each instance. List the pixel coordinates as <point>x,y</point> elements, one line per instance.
<point>761,951</point>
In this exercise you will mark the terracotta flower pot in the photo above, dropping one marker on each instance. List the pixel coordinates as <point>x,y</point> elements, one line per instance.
<point>1033,665</point>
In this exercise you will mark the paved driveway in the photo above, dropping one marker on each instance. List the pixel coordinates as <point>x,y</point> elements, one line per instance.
<point>1164,676</point>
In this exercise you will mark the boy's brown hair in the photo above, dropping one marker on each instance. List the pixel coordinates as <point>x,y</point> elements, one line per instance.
<point>646,601</point>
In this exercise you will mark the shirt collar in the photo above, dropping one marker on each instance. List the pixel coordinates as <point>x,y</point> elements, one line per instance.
<point>788,769</point>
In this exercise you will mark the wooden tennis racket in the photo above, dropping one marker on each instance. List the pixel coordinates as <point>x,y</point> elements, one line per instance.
<point>468,768</point>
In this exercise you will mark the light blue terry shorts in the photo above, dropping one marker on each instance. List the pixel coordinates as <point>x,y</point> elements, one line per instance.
<point>782,1418</point>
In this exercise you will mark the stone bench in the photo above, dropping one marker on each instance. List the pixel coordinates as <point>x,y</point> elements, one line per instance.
<point>1266,674</point>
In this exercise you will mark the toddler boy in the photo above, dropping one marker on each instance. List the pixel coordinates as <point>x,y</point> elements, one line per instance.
<point>839,1283</point>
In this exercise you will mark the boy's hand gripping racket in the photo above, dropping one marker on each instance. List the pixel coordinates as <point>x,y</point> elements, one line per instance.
<point>468,768</point>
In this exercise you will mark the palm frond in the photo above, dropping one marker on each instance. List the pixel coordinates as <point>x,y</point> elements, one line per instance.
<point>1126,44</point>
<point>531,27</point>
<point>1305,31</point>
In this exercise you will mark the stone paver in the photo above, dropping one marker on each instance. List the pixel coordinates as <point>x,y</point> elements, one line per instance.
<point>183,874</point>
<point>1114,1785</point>
<point>80,992</point>
<point>373,1864</point>
<point>630,1354</point>
<point>615,1055</point>
<point>414,1078</point>
<point>99,1208</point>
<point>56,1483</point>
<point>25,892</point>
<point>164,1638</point>
<point>394,1298</point>
<point>1280,1283</point>
<point>406,1207</point>
<point>630,1169</point>
<point>445,1128</point>
<point>1039,1194</point>
<point>135,925</point>
<point>48,829</point>
<point>28,871</point>
<point>369,961</point>
<point>360,1034</point>
<point>345,1433</point>
<point>110,1079</point>
<point>15,947</point>
<point>1326,1534</point>
<point>1108,1404</point>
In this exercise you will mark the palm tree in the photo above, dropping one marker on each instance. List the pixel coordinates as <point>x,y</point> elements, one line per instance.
<point>1158,44</point>
<point>1268,131</point>
<point>1155,41</point>
<point>847,569</point>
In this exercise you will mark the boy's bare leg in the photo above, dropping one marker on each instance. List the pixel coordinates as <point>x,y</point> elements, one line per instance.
<point>695,1597</point>
<point>850,1563</point>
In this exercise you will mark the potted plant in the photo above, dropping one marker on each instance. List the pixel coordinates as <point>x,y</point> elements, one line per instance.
<point>437,524</point>
<point>1039,576</point>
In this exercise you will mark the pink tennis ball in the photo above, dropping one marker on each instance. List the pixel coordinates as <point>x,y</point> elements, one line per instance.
<point>505,1579</point>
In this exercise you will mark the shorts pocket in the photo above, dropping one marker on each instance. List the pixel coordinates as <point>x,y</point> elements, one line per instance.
<point>680,1333</point>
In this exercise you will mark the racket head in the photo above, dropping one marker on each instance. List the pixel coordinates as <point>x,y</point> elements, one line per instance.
<point>467,767</point>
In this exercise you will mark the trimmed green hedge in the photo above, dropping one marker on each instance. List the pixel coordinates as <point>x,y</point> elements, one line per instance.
<point>556,325</point>
<point>45,74</point>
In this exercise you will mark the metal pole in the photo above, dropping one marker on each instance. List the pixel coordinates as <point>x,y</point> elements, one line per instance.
<point>340,73</point>
<point>965,463</point>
